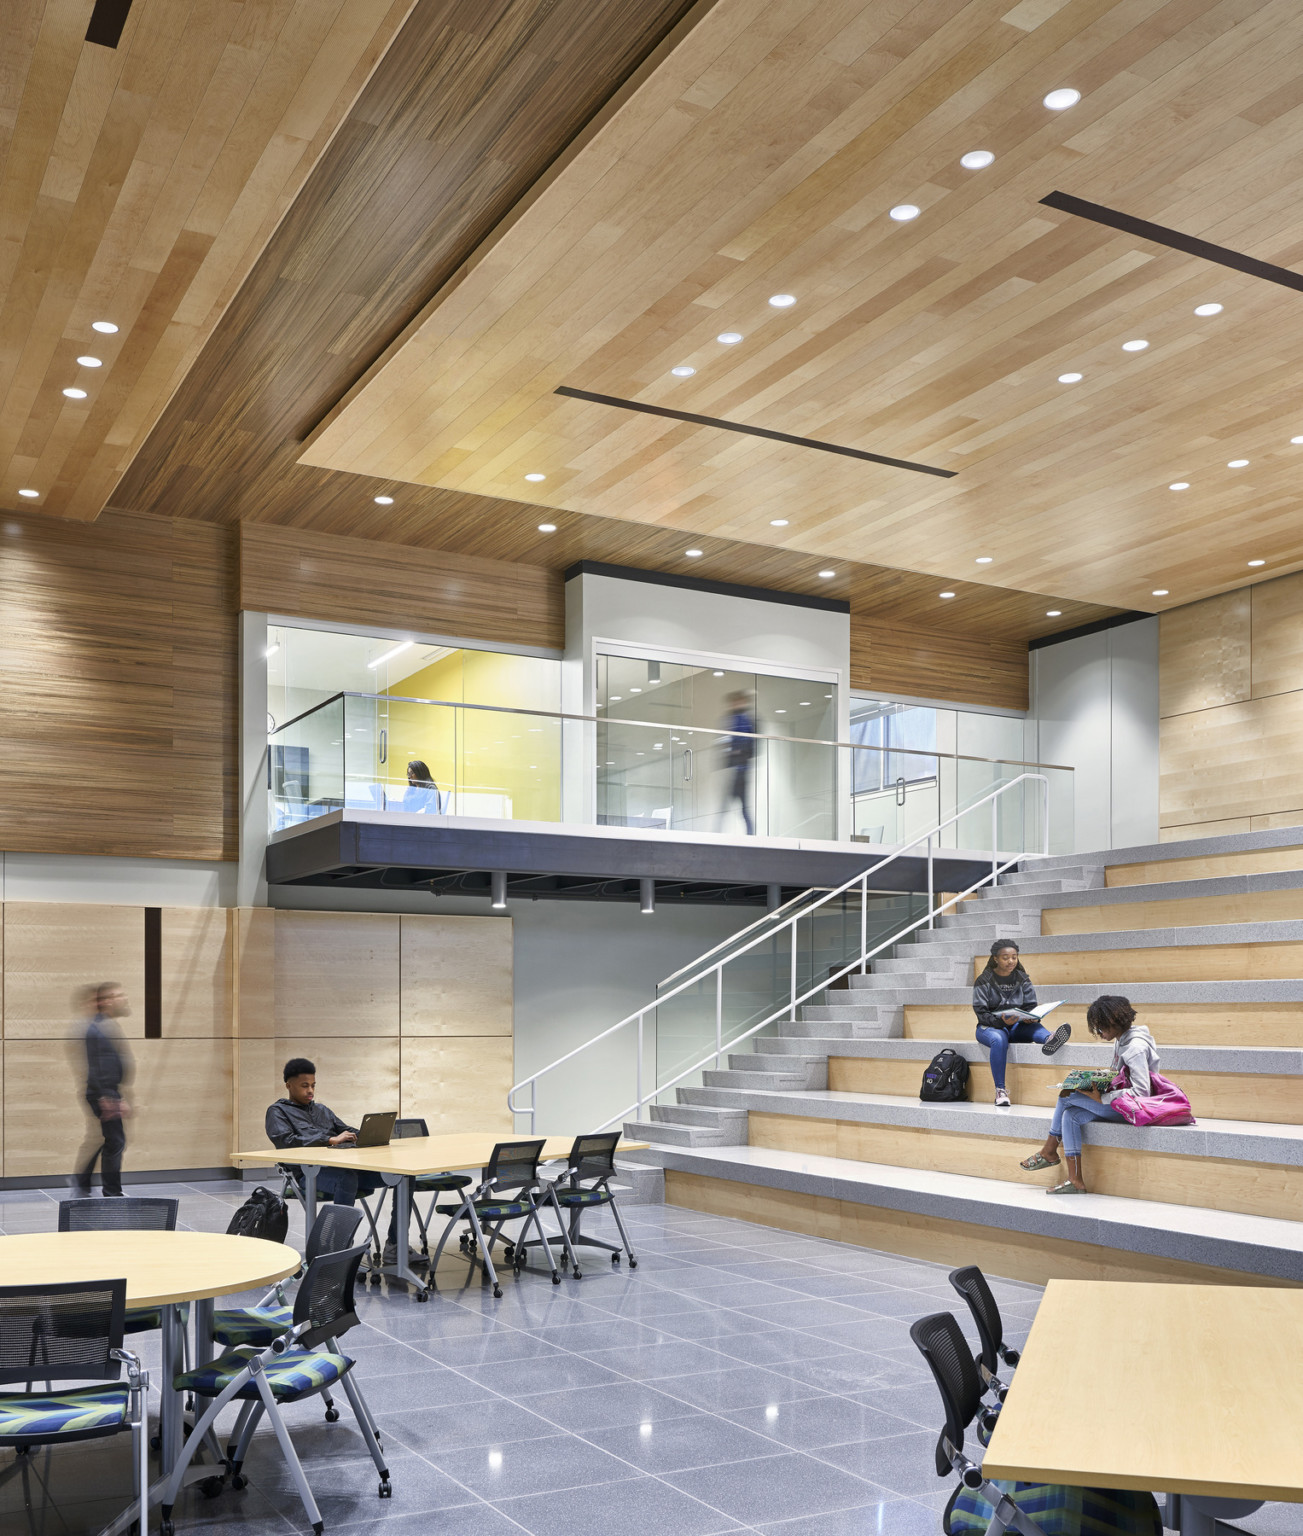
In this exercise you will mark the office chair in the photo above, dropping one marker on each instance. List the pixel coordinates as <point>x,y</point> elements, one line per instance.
<point>978,1504</point>
<point>584,1186</point>
<point>71,1332</point>
<point>509,1191</point>
<point>971,1284</point>
<point>295,1367</point>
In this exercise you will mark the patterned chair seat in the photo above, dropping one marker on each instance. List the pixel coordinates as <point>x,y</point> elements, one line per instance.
<point>251,1325</point>
<point>572,1198</point>
<point>143,1319</point>
<point>499,1210</point>
<point>295,1374</point>
<point>441,1182</point>
<point>1059,1511</point>
<point>71,1415</point>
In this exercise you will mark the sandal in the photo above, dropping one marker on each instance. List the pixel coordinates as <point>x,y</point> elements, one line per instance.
<point>1035,1164</point>
<point>1068,1188</point>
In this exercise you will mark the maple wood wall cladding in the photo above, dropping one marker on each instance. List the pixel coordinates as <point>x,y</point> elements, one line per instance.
<point>1231,706</point>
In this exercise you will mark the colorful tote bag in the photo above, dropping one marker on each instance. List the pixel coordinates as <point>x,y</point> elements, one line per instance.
<point>1164,1105</point>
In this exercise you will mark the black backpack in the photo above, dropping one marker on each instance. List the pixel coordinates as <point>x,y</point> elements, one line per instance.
<point>262,1215</point>
<point>946,1078</point>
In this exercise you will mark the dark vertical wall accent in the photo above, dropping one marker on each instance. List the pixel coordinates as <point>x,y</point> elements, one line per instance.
<point>153,973</point>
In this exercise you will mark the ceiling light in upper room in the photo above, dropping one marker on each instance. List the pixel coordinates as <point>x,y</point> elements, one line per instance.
<point>693,554</point>
<point>946,594</point>
<point>1237,463</point>
<point>90,362</point>
<point>105,327</point>
<point>778,522</point>
<point>904,212</point>
<point>1208,309</point>
<point>826,575</point>
<point>635,690</point>
<point>1159,592</point>
<point>976,159</point>
<point>30,494</point>
<point>535,477</point>
<point>547,527</point>
<point>1054,613</point>
<point>729,338</point>
<point>717,674</point>
<point>780,711</point>
<point>1257,562</point>
<point>1179,485</point>
<point>1134,346</point>
<point>783,300</point>
<point>805,703</point>
<point>75,394</point>
<point>683,371</point>
<point>1070,378</point>
<point>1062,99</point>
<point>616,697</point>
<point>384,501</point>
<point>403,645</point>
<point>271,650</point>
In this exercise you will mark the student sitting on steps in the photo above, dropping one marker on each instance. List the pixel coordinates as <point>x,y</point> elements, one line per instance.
<point>1003,987</point>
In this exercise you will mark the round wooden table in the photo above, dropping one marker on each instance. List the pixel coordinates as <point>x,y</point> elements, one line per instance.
<point>162,1269</point>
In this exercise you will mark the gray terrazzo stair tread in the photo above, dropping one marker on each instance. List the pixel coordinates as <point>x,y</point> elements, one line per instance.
<point>753,1063</point>
<point>1148,853</point>
<point>1267,1060</point>
<point>1244,1140</point>
<point>1283,932</point>
<point>1256,990</point>
<point>1254,1244</point>
<point>1174,890</point>
<point>673,1135</point>
<point>767,1082</point>
<point>697,1114</point>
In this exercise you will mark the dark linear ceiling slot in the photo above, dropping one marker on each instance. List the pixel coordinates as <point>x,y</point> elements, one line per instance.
<point>749,431</point>
<point>1173,239</point>
<point>107,21</point>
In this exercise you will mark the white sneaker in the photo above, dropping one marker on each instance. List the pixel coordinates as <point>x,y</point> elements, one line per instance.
<point>1002,1099</point>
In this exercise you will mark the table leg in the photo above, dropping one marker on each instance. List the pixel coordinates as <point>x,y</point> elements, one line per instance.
<point>403,1270</point>
<point>309,1199</point>
<point>1198,1516</point>
<point>204,1350</point>
<point>169,1400</point>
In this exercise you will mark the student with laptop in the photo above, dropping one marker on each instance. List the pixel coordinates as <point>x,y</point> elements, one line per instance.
<point>1004,1001</point>
<point>301,1120</point>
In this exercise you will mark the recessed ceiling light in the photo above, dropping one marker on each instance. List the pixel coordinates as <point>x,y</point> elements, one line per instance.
<point>778,522</point>
<point>985,559</point>
<point>780,711</point>
<point>1070,378</point>
<point>1251,562</point>
<point>946,594</point>
<point>717,674</point>
<point>1296,439</point>
<point>1054,613</point>
<point>693,554</point>
<point>31,495</point>
<point>1208,309</point>
<point>105,327</point>
<point>976,159</point>
<point>805,703</point>
<point>616,697</point>
<point>547,527</point>
<point>1179,485</point>
<point>783,300</point>
<point>384,501</point>
<point>1134,346</point>
<point>683,371</point>
<point>403,645</point>
<point>1159,592</point>
<point>75,394</point>
<point>729,338</point>
<point>1062,99</point>
<point>535,476</point>
<point>826,575</point>
<point>904,212</point>
<point>635,690</point>
<point>1237,463</point>
<point>90,362</point>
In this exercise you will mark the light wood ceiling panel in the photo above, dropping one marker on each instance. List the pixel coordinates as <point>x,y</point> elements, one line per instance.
<point>762,156</point>
<point>138,185</point>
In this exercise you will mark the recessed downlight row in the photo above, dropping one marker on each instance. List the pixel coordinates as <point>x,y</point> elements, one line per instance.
<point>1140,344</point>
<point>73,391</point>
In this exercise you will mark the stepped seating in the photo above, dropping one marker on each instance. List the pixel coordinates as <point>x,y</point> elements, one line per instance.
<point>822,1120</point>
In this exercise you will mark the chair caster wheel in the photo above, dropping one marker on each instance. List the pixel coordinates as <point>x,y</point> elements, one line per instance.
<point>615,1258</point>
<point>332,1415</point>
<point>210,1487</point>
<point>154,1442</point>
<point>556,1277</point>
<point>497,1290</point>
<point>422,1294</point>
<point>386,1489</point>
<point>579,1274</point>
<point>633,1263</point>
<point>509,1253</point>
<point>238,1480</point>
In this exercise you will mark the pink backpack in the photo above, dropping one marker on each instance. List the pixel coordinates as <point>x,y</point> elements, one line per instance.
<point>1165,1104</point>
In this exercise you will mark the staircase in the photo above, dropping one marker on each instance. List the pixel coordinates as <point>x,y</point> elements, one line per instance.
<point>820,1126</point>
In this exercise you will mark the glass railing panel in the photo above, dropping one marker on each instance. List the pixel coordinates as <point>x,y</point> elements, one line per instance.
<point>796,785</point>
<point>306,766</point>
<point>641,779</point>
<point>508,766</point>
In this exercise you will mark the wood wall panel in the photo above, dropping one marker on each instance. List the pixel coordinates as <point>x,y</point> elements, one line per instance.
<point>457,1084</point>
<point>53,950</point>
<point>1277,663</point>
<point>1278,1025</point>
<point>337,974</point>
<point>1205,651</point>
<point>118,677</point>
<point>1241,760</point>
<point>355,581</point>
<point>197,972</point>
<point>455,976</point>
<point>970,669</point>
<point>356,1074</point>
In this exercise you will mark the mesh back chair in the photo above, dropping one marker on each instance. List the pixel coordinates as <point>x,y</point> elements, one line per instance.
<point>971,1284</point>
<point>979,1505</point>
<point>586,1185</point>
<point>128,1214</point>
<point>302,1363</point>
<point>71,1332</point>
<point>432,1184</point>
<point>509,1191</point>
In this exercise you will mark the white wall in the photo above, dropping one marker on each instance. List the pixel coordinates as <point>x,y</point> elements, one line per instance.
<point>128,882</point>
<point>1095,709</point>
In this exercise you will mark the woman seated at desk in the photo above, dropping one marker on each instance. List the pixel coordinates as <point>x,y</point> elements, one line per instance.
<point>422,794</point>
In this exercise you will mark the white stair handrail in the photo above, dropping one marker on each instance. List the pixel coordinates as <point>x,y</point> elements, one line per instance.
<point>930,838</point>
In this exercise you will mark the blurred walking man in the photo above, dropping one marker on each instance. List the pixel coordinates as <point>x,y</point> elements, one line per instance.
<point>107,1067</point>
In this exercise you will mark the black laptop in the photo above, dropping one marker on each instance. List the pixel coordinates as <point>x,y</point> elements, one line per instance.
<point>376,1130</point>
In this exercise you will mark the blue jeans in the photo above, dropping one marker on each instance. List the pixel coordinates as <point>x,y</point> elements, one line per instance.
<point>343,1186</point>
<point>1073,1114</point>
<point>998,1039</point>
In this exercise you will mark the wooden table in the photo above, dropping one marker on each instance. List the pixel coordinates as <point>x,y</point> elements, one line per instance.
<point>398,1163</point>
<point>162,1269</point>
<point>1194,1390</point>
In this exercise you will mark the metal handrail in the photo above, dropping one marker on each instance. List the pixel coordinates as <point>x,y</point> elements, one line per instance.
<point>794,1001</point>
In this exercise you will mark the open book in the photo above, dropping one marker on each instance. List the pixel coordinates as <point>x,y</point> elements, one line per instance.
<point>1021,1016</point>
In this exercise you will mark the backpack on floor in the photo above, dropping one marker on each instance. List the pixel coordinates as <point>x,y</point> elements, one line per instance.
<point>262,1215</point>
<point>946,1078</point>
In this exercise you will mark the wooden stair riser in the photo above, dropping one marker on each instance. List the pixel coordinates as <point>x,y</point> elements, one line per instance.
<point>1214,1095</point>
<point>1249,1024</point>
<point>1176,912</point>
<point>1223,1184</point>
<point>1116,968</point>
<point>1253,861</point>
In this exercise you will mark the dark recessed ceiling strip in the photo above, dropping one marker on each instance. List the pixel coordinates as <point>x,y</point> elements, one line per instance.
<point>107,20</point>
<point>739,426</point>
<point>1161,235</point>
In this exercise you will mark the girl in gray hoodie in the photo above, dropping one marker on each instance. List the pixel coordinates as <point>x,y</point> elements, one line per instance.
<point>1134,1054</point>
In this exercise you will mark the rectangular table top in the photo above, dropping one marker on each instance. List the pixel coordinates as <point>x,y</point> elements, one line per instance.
<point>414,1154</point>
<point>1171,1388</point>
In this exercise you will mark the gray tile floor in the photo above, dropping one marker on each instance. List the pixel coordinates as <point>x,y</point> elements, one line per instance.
<point>741,1379</point>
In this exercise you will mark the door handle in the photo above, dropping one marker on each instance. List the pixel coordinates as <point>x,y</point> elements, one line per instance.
<point>384,747</point>
<point>687,764</point>
<point>900,790</point>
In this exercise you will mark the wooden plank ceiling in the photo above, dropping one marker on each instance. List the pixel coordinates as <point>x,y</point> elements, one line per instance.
<point>138,185</point>
<point>762,156</point>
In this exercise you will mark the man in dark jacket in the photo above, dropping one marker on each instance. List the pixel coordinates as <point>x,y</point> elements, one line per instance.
<point>107,1068</point>
<point>299,1120</point>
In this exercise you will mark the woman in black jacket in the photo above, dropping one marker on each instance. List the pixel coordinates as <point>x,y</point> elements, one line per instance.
<point>1001,988</point>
